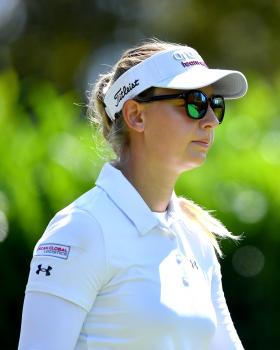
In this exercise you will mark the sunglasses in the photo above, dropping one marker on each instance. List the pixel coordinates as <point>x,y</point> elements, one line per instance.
<point>196,103</point>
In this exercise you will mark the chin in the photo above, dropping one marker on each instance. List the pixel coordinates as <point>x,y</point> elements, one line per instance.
<point>194,164</point>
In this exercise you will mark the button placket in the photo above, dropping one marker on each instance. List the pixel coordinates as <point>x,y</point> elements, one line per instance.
<point>190,265</point>
<point>169,233</point>
<point>180,256</point>
<point>185,281</point>
<point>181,260</point>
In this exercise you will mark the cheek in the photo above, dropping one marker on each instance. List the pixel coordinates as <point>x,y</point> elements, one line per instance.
<point>164,121</point>
<point>168,128</point>
<point>155,124</point>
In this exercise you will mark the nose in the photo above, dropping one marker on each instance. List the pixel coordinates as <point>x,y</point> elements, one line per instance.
<point>210,120</point>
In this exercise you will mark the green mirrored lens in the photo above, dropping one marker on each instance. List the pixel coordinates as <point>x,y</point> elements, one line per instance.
<point>218,105</point>
<point>193,111</point>
<point>196,105</point>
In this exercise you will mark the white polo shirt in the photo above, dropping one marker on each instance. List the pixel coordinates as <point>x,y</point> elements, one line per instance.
<point>144,285</point>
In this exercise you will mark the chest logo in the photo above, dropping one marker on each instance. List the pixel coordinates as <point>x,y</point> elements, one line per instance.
<point>42,269</point>
<point>194,264</point>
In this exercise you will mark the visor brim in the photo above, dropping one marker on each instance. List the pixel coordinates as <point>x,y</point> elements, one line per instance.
<point>230,84</point>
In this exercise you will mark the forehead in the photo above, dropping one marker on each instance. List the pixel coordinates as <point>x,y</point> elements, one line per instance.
<point>208,90</point>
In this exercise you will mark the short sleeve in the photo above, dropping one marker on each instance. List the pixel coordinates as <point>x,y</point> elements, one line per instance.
<point>69,261</point>
<point>226,336</point>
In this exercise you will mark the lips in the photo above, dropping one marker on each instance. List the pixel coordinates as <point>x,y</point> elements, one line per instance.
<point>203,143</point>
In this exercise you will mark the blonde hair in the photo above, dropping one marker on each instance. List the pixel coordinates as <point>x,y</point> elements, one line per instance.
<point>116,133</point>
<point>206,223</point>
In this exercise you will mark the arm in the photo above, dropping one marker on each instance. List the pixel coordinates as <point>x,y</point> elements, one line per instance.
<point>67,271</point>
<point>226,336</point>
<point>49,322</point>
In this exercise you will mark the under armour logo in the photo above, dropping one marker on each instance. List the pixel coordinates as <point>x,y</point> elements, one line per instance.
<point>47,271</point>
<point>194,264</point>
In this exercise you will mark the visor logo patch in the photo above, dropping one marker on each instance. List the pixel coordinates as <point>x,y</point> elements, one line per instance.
<point>183,55</point>
<point>188,58</point>
<point>54,250</point>
<point>123,91</point>
<point>193,63</point>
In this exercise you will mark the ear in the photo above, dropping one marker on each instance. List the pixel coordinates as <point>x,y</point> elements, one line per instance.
<point>133,115</point>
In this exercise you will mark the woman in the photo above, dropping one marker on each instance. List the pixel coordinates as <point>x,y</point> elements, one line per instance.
<point>128,265</point>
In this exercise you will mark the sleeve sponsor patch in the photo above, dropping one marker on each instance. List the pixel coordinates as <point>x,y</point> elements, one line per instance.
<point>52,249</point>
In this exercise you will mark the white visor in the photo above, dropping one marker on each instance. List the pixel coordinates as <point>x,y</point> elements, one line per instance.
<point>176,68</point>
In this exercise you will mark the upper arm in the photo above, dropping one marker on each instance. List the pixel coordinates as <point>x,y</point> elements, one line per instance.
<point>49,322</point>
<point>67,270</point>
<point>70,260</point>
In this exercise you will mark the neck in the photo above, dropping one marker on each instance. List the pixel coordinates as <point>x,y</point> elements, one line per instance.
<point>153,181</point>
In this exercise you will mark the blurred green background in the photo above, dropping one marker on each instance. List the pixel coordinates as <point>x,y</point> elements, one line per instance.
<point>50,55</point>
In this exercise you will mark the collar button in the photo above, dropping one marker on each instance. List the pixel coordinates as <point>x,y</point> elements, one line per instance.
<point>185,281</point>
<point>179,258</point>
<point>171,236</point>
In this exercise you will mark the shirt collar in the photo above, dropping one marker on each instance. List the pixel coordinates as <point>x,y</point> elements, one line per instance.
<point>129,201</point>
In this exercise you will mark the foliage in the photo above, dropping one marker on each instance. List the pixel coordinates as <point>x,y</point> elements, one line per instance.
<point>48,158</point>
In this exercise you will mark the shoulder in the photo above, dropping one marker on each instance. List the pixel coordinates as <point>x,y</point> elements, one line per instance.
<point>76,224</point>
<point>73,254</point>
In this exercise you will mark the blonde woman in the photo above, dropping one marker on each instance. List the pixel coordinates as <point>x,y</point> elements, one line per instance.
<point>128,265</point>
